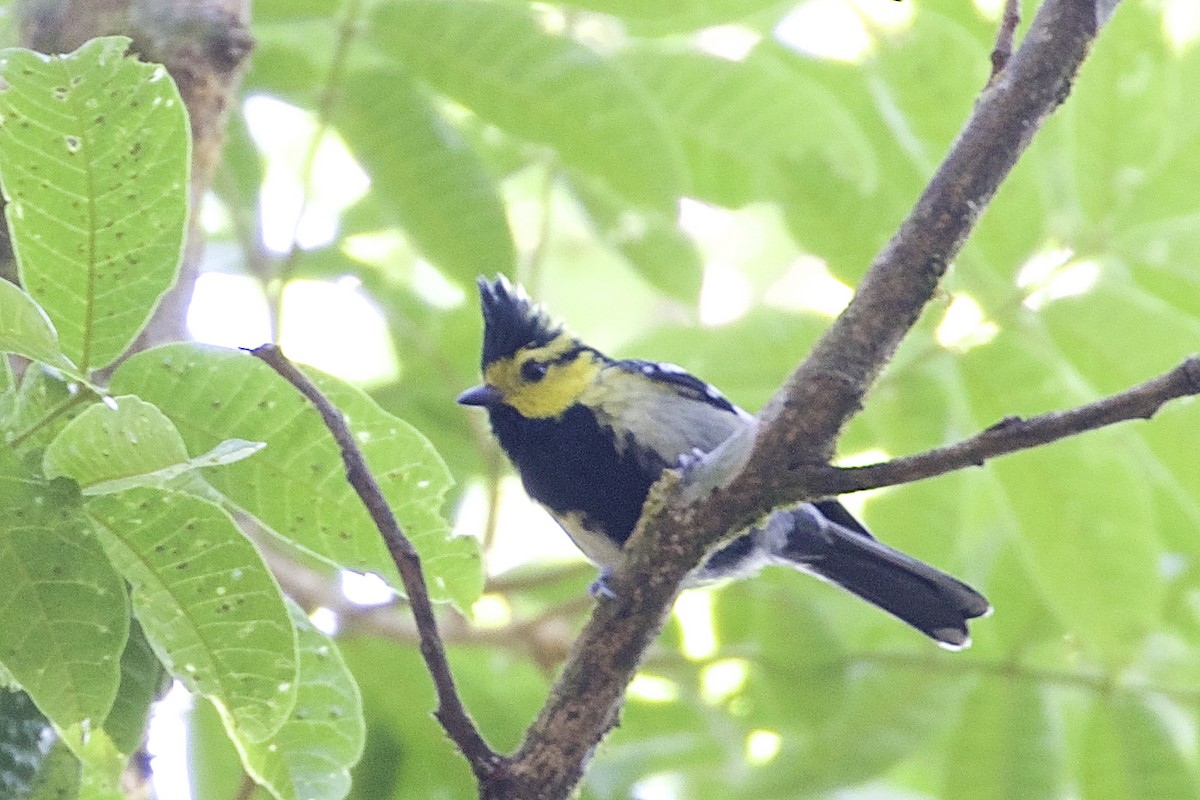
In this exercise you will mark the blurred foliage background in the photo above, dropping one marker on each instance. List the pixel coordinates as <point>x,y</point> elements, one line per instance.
<point>705,182</point>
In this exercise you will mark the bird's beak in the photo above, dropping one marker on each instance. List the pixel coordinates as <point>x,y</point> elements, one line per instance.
<point>482,395</point>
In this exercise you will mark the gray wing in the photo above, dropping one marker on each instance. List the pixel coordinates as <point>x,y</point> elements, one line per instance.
<point>659,412</point>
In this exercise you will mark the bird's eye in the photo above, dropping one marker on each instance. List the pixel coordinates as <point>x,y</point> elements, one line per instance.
<point>533,371</point>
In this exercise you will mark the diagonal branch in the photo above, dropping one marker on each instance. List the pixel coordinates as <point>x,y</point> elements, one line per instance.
<point>802,422</point>
<point>450,712</point>
<point>1012,434</point>
<point>1002,51</point>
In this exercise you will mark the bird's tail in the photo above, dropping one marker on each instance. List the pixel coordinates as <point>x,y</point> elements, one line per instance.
<point>826,541</point>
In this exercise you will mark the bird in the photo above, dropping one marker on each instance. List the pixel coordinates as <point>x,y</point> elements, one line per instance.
<point>589,435</point>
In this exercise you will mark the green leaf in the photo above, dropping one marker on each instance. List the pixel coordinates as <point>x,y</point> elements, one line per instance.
<point>282,65</point>
<point>311,755</point>
<point>922,104</point>
<point>1083,508</point>
<point>94,159</point>
<point>64,615</point>
<point>885,715</point>
<point>216,766</point>
<point>26,330</point>
<point>433,182</point>
<point>407,753</point>
<point>229,451</point>
<point>676,15</point>
<point>37,409</point>
<point>756,127</point>
<point>498,61</point>
<point>290,10</point>
<point>1083,329</point>
<point>841,210</point>
<point>1129,751</point>
<point>1149,108</point>
<point>120,437</point>
<point>650,241</point>
<point>141,681</point>
<point>102,763</point>
<point>755,111</point>
<point>8,383</point>
<point>1004,748</point>
<point>126,442</point>
<point>784,620</point>
<point>297,485</point>
<point>208,605</point>
<point>60,777</point>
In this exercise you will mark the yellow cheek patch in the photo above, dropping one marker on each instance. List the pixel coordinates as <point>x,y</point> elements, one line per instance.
<point>553,394</point>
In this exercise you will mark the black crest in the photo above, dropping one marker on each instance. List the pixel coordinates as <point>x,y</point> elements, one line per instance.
<point>511,320</point>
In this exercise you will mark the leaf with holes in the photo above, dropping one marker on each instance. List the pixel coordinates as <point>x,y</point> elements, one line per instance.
<point>297,486</point>
<point>64,615</point>
<point>127,442</point>
<point>310,757</point>
<point>117,439</point>
<point>208,605</point>
<point>26,330</point>
<point>94,159</point>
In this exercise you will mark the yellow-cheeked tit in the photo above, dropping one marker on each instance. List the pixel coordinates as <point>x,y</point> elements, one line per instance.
<point>590,435</point>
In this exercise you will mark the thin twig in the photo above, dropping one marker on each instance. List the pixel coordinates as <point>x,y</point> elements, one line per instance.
<point>1003,49</point>
<point>348,29</point>
<point>450,712</point>
<point>1010,435</point>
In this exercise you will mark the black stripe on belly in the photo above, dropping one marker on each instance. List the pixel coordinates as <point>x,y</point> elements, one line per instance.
<point>572,464</point>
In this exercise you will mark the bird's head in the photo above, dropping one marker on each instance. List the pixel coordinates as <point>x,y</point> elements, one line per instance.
<point>530,362</point>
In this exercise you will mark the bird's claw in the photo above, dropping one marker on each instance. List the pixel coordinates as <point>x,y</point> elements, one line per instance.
<point>687,461</point>
<point>599,590</point>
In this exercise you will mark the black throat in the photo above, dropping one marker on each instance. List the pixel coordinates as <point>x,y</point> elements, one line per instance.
<point>572,464</point>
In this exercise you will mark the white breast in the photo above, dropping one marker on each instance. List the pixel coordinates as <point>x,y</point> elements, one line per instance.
<point>598,548</point>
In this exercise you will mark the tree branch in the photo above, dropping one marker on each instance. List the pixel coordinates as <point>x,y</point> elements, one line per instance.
<point>1010,435</point>
<point>827,389</point>
<point>450,712</point>
<point>802,422</point>
<point>1002,51</point>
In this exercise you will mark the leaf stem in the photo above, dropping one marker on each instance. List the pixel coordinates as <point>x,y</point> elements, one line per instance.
<point>63,407</point>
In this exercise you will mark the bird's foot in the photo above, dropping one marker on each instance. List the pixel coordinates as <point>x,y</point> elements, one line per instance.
<point>599,590</point>
<point>688,461</point>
